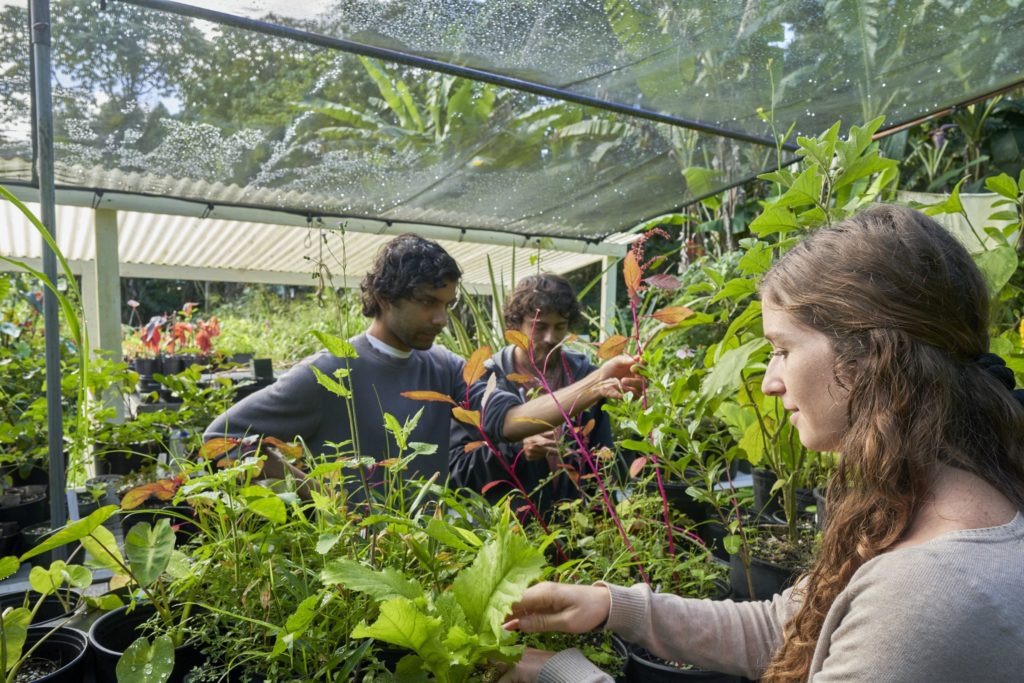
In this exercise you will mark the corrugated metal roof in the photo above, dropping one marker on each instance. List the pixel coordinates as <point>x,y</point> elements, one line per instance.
<point>186,247</point>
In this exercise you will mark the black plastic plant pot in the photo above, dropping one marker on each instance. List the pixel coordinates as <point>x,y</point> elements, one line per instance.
<point>682,502</point>
<point>767,578</point>
<point>66,647</point>
<point>115,631</point>
<point>765,502</point>
<point>31,536</point>
<point>643,667</point>
<point>126,459</point>
<point>53,611</point>
<point>147,366</point>
<point>32,505</point>
<point>819,512</point>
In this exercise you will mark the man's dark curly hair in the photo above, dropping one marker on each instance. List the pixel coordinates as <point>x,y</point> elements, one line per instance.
<point>403,264</point>
<point>544,293</point>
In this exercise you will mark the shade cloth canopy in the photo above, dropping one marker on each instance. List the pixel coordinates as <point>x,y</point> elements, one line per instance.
<point>571,119</point>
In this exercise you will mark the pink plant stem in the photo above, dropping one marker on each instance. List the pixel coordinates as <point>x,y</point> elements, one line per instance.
<point>650,437</point>
<point>591,463</point>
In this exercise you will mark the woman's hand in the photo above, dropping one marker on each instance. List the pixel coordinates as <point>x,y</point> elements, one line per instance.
<point>561,607</point>
<point>528,668</point>
<point>540,446</point>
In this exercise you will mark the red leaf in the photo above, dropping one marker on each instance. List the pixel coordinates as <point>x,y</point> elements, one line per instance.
<point>631,273</point>
<point>663,281</point>
<point>474,369</point>
<point>589,427</point>
<point>429,396</point>
<point>161,490</point>
<point>491,484</point>
<point>519,378</point>
<point>637,466</point>
<point>571,471</point>
<point>612,346</point>
<point>472,446</point>
<point>673,315</point>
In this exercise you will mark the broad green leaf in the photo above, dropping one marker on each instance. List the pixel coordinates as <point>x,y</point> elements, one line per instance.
<point>453,537</point>
<point>725,377</point>
<point>144,662</point>
<point>998,266</point>
<point>1003,185</point>
<point>103,551</point>
<point>401,623</point>
<point>774,219</point>
<point>272,509</point>
<point>502,570</point>
<point>806,191</point>
<point>15,631</point>
<point>149,550</point>
<point>731,544</point>
<point>380,584</point>
<point>951,204</point>
<point>336,345</point>
<point>752,443</point>
<point>326,542</point>
<point>104,603</point>
<point>8,566</point>
<point>75,531</point>
<point>296,624</point>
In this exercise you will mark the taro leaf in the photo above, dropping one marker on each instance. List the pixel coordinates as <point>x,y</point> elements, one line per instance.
<point>502,570</point>
<point>272,509</point>
<point>73,532</point>
<point>380,585</point>
<point>47,580</point>
<point>453,536</point>
<point>8,566</point>
<point>102,548</point>
<point>15,631</point>
<point>401,623</point>
<point>149,550</point>
<point>518,338</point>
<point>471,417</point>
<point>143,662</point>
<point>425,395</point>
<point>631,273</point>
<point>475,369</point>
<point>104,603</point>
<point>336,345</point>
<point>612,346</point>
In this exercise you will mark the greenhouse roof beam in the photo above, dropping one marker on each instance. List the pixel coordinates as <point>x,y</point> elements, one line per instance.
<point>454,69</point>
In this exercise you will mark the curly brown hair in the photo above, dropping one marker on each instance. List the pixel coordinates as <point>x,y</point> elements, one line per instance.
<point>906,310</point>
<point>540,295</point>
<point>403,264</point>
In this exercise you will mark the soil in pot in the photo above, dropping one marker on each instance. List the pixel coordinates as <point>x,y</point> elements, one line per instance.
<point>113,632</point>
<point>775,562</point>
<point>643,667</point>
<point>61,659</point>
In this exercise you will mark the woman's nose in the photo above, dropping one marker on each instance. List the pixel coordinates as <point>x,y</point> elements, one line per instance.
<point>772,384</point>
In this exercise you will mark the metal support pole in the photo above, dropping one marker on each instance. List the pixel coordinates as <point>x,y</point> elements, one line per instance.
<point>609,290</point>
<point>39,17</point>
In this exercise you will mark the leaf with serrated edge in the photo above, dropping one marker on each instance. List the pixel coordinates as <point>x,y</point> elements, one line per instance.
<point>401,623</point>
<point>425,395</point>
<point>475,369</point>
<point>336,345</point>
<point>380,584</point>
<point>502,570</point>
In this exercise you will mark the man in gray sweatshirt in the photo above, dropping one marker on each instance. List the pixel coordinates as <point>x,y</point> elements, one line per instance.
<point>408,293</point>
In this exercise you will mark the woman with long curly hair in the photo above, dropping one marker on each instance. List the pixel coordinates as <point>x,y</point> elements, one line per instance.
<point>879,334</point>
